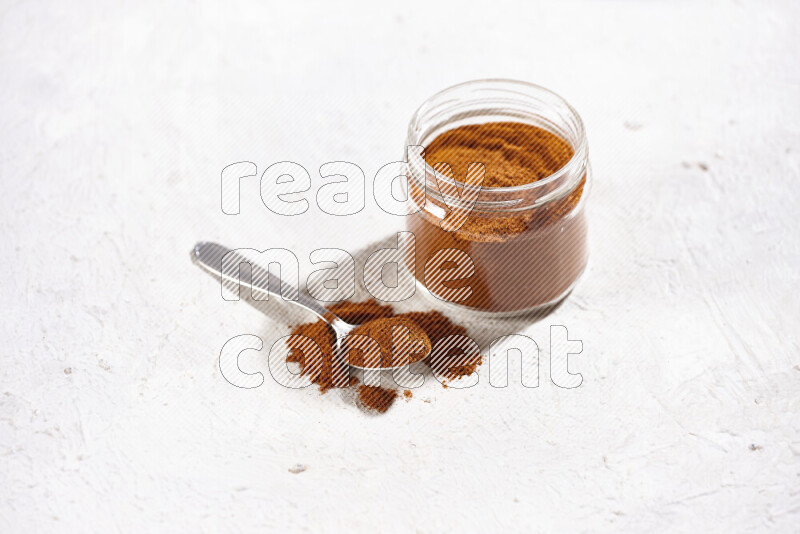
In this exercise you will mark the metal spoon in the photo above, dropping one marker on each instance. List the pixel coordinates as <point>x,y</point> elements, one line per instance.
<point>209,257</point>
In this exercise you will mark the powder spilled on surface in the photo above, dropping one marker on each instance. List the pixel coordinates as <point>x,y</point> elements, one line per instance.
<point>446,360</point>
<point>376,398</point>
<point>326,372</point>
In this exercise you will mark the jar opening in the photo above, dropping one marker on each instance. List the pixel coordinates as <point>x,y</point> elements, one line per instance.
<point>499,100</point>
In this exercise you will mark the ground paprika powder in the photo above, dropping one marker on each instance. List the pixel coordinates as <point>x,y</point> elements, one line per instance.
<point>449,362</point>
<point>525,234</point>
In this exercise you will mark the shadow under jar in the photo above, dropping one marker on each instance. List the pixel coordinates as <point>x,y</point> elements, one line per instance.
<point>523,226</point>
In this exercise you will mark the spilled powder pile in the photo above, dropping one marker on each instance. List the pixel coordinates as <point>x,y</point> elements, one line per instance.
<point>321,370</point>
<point>376,398</point>
<point>324,370</point>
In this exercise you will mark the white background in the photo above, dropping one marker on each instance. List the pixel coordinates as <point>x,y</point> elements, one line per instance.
<point>116,123</point>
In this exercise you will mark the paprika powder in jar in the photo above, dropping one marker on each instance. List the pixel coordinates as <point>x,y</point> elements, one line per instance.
<point>509,236</point>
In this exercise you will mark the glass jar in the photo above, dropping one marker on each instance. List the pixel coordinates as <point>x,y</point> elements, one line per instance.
<point>527,243</point>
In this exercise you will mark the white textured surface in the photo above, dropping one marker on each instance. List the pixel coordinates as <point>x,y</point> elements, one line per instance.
<point>116,122</point>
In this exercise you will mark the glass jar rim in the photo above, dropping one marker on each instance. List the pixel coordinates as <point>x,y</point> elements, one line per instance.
<point>580,148</point>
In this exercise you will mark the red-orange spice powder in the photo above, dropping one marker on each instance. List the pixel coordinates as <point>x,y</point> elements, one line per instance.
<point>451,364</point>
<point>376,398</point>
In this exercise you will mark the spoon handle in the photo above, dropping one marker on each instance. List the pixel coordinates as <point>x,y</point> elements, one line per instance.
<point>223,263</point>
